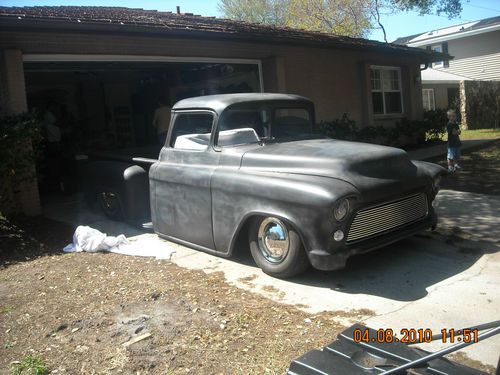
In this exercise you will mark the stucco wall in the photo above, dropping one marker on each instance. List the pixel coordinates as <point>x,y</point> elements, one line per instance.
<point>336,80</point>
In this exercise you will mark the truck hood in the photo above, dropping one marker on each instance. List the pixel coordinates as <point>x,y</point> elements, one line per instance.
<point>367,167</point>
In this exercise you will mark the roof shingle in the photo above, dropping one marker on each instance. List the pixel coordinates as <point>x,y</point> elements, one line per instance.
<point>186,23</point>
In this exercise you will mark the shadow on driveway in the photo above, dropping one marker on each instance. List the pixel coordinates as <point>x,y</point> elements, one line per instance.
<point>402,271</point>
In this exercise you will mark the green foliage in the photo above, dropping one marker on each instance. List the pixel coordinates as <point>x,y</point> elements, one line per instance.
<point>342,128</point>
<point>6,309</point>
<point>30,365</point>
<point>436,121</point>
<point>16,133</point>
<point>482,104</point>
<point>451,8</point>
<point>272,12</point>
<point>342,17</point>
<point>404,133</point>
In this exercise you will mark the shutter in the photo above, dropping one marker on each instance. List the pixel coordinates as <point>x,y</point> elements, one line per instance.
<point>444,46</point>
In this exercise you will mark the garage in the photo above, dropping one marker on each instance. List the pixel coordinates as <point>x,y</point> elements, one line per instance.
<point>103,71</point>
<point>106,104</point>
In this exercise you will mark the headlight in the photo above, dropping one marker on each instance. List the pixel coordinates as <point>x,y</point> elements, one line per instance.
<point>341,209</point>
<point>436,183</point>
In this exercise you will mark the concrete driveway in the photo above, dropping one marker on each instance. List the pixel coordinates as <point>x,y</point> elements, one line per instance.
<point>434,280</point>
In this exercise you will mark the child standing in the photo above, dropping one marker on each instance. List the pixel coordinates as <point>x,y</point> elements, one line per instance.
<point>453,141</point>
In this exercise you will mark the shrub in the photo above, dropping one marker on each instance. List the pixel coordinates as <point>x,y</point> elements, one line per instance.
<point>405,132</point>
<point>16,134</point>
<point>341,128</point>
<point>436,121</point>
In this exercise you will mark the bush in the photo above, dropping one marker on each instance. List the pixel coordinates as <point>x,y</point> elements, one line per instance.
<point>342,128</point>
<point>17,132</point>
<point>404,133</point>
<point>436,121</point>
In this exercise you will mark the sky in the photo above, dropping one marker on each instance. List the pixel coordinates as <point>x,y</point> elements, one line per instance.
<point>397,25</point>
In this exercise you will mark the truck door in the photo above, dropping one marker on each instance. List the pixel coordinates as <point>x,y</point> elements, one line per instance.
<point>180,181</point>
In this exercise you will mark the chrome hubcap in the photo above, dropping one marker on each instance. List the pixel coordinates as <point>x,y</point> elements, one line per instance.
<point>273,239</point>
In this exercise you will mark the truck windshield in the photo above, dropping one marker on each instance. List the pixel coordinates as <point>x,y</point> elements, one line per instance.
<point>243,125</point>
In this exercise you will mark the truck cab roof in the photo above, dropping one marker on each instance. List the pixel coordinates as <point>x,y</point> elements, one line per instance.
<point>219,103</point>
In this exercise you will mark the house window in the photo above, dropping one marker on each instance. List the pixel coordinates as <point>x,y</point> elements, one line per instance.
<point>428,99</point>
<point>387,96</point>
<point>438,48</point>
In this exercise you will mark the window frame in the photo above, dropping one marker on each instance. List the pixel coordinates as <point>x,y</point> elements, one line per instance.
<point>434,48</point>
<point>433,100</point>
<point>176,113</point>
<point>381,90</point>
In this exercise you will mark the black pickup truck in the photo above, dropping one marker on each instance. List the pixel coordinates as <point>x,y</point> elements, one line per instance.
<point>250,166</point>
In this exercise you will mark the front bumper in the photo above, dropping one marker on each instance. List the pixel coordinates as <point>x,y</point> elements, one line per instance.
<point>329,261</point>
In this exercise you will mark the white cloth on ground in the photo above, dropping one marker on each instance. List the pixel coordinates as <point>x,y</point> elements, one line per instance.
<point>91,240</point>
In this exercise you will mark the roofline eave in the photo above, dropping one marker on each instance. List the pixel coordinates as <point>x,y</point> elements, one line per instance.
<point>61,24</point>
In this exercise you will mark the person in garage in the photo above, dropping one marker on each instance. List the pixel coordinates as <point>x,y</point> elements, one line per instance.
<point>161,120</point>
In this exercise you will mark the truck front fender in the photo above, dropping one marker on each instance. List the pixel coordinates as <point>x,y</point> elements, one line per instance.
<point>304,201</point>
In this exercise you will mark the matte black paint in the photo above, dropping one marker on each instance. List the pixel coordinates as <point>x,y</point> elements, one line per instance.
<point>203,198</point>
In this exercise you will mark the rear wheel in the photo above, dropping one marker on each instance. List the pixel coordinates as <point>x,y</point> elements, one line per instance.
<point>276,247</point>
<point>110,204</point>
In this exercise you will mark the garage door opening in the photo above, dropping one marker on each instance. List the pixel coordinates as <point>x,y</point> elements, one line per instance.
<point>108,106</point>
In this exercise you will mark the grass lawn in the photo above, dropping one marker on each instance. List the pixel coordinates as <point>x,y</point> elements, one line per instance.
<point>480,134</point>
<point>475,134</point>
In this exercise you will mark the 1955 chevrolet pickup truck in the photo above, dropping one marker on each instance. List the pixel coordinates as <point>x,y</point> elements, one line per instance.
<point>249,167</point>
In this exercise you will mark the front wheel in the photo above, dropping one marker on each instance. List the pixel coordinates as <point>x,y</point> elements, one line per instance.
<point>276,247</point>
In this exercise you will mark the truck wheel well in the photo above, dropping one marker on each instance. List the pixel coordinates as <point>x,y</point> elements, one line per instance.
<point>241,245</point>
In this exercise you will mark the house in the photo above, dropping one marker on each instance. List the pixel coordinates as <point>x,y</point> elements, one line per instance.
<point>106,68</point>
<point>470,81</point>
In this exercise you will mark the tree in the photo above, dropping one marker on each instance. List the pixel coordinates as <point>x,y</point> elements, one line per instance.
<point>343,17</point>
<point>452,8</point>
<point>272,12</point>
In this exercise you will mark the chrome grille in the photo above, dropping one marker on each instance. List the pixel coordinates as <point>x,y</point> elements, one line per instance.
<point>387,217</point>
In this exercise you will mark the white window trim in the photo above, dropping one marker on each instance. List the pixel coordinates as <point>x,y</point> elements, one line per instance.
<point>398,69</point>
<point>433,99</point>
<point>141,58</point>
<point>437,64</point>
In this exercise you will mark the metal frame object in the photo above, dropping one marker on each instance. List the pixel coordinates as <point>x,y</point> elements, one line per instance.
<point>347,357</point>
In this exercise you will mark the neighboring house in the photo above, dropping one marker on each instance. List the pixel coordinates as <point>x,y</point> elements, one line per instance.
<point>107,67</point>
<point>473,71</point>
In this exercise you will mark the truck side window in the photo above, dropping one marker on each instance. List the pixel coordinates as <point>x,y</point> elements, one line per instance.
<point>191,131</point>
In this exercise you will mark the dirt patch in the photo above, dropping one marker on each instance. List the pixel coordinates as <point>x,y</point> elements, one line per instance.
<point>480,172</point>
<point>462,358</point>
<point>77,312</point>
<point>247,279</point>
<point>112,314</point>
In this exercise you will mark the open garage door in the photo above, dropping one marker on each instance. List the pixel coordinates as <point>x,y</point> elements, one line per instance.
<point>107,103</point>
<point>110,104</point>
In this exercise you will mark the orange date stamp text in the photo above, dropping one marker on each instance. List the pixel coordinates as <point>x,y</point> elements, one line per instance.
<point>414,335</point>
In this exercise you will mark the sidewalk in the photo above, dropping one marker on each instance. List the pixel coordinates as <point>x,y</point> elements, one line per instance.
<point>438,150</point>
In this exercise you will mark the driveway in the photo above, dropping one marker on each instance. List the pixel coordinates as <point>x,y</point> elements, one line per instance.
<point>446,279</point>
